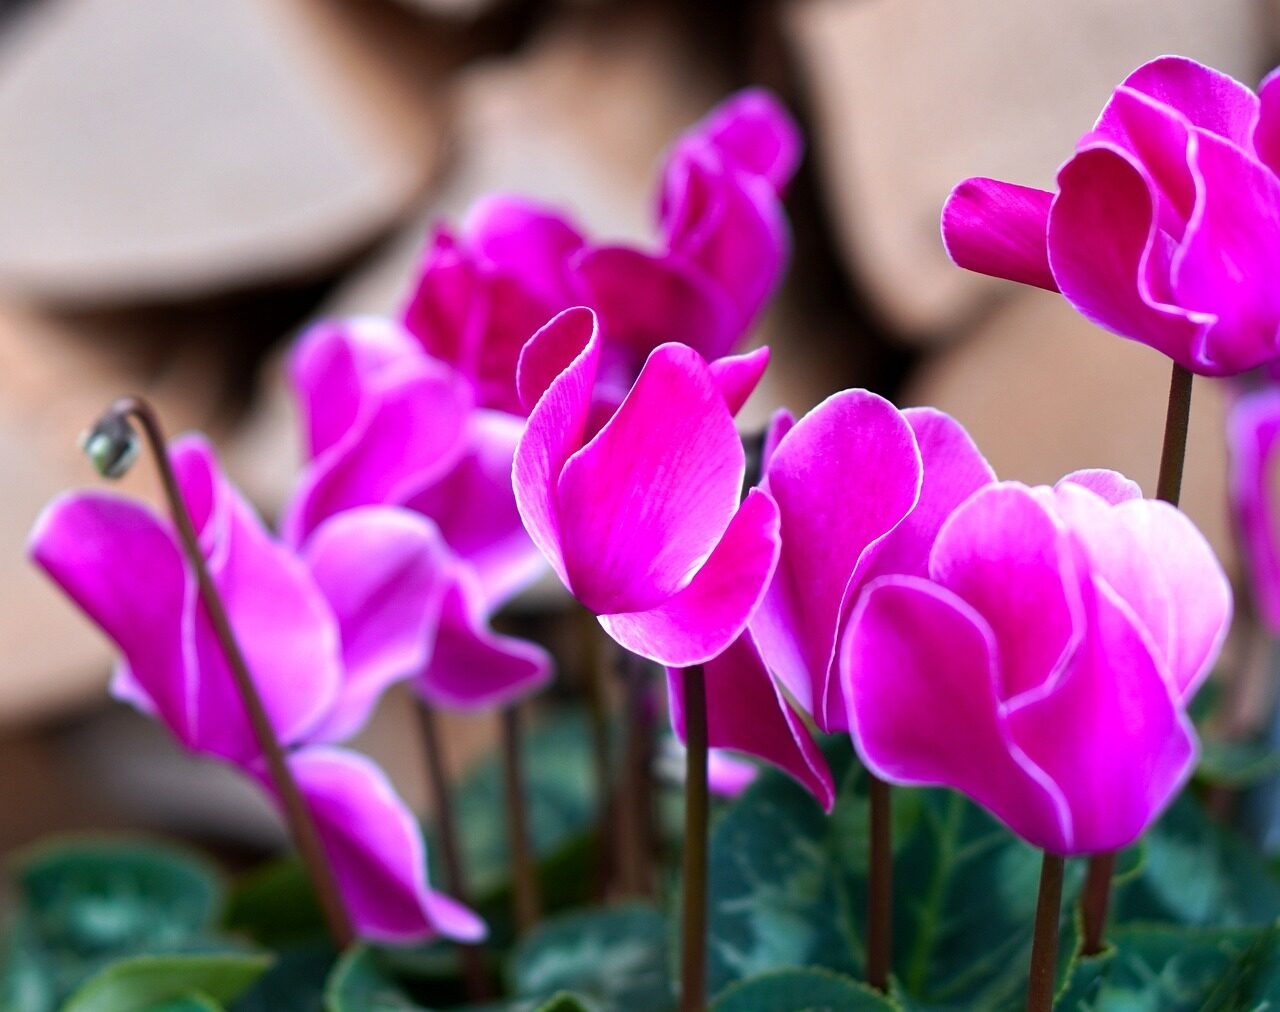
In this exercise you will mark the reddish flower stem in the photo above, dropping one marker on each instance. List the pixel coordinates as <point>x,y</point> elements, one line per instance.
<point>1097,892</point>
<point>693,931</point>
<point>1044,947</point>
<point>302,826</point>
<point>880,887</point>
<point>524,881</point>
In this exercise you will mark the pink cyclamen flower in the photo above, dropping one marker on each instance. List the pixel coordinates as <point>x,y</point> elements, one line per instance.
<point>639,512</point>
<point>722,244</point>
<point>324,630</point>
<point>1166,224</point>
<point>1044,665</point>
<point>862,489</point>
<point>1253,435</point>
<point>386,423</point>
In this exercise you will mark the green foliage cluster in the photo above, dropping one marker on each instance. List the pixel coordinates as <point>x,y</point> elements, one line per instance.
<point>128,926</point>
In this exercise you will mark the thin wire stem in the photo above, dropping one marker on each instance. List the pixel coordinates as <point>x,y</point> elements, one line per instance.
<point>693,935</point>
<point>880,892</point>
<point>1044,947</point>
<point>302,826</point>
<point>473,956</point>
<point>524,883</point>
<point>1096,898</point>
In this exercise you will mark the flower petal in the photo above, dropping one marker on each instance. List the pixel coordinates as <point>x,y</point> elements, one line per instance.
<point>755,134</point>
<point>529,240</point>
<point>1266,135</point>
<point>1109,734</point>
<point>375,847</point>
<point>556,375</point>
<point>701,620</point>
<point>1208,98</point>
<point>475,509</point>
<point>124,569</point>
<point>1106,257</point>
<point>1254,436</point>
<point>1003,537</point>
<point>384,572</point>
<point>1112,486</point>
<point>746,712</point>
<point>737,376</point>
<point>642,505</point>
<point>473,667</point>
<point>843,477</point>
<point>999,229</point>
<point>919,672</point>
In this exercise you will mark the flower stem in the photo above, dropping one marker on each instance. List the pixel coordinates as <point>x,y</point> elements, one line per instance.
<point>880,891</point>
<point>523,873</point>
<point>473,956</point>
<point>637,831</point>
<point>1044,947</point>
<point>302,826</point>
<point>598,711</point>
<point>693,935</point>
<point>1173,454</point>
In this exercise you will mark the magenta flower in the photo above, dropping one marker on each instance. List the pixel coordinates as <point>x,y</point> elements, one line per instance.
<point>388,424</point>
<point>1166,224</point>
<point>324,630</point>
<point>639,512</point>
<point>1253,435</point>
<point>722,244</point>
<point>1044,665</point>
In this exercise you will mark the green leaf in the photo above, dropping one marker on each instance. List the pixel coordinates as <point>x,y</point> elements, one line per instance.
<point>361,983</point>
<point>275,906</point>
<point>802,991</point>
<point>1237,764</point>
<point>614,958</point>
<point>1196,871</point>
<point>295,982</point>
<point>143,981</point>
<point>565,1002</point>
<point>190,1003</point>
<point>788,888</point>
<point>1169,968</point>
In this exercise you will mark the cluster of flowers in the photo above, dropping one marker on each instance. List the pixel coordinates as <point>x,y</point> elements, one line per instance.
<point>403,537</point>
<point>1035,648</point>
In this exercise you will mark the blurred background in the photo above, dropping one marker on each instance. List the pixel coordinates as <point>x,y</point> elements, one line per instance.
<point>185,185</point>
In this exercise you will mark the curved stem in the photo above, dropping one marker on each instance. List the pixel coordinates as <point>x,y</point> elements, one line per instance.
<point>302,826</point>
<point>1173,454</point>
<point>693,935</point>
<point>473,956</point>
<point>1044,947</point>
<point>525,884</point>
<point>880,891</point>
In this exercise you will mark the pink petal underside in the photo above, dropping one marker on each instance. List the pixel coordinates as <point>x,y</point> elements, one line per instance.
<point>411,430</point>
<point>702,619</point>
<point>475,508</point>
<point>782,422</point>
<point>532,241</point>
<point>999,229</point>
<point>737,376</point>
<point>918,667</point>
<point>643,504</point>
<point>122,567</point>
<point>375,847</point>
<point>1005,554</point>
<point>646,300</point>
<point>1112,486</point>
<point>1229,256</point>
<point>445,310</point>
<point>954,469</point>
<point>729,775</point>
<point>1110,259</point>
<point>746,712</point>
<point>1110,735</point>
<point>1208,98</point>
<point>753,131</point>
<point>843,477</point>
<point>556,375</point>
<point>511,315</point>
<point>329,367</point>
<point>1266,136</point>
<point>1254,438</point>
<point>384,572</point>
<point>729,225</point>
<point>282,623</point>
<point>472,667</point>
<point>1156,561</point>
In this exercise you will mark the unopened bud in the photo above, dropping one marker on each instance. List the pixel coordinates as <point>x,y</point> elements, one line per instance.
<point>112,445</point>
